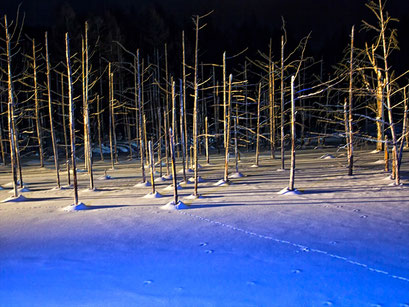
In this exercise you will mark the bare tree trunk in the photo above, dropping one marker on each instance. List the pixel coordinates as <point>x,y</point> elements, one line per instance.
<point>271,101</point>
<point>224,98</point>
<point>140,115</point>
<point>152,166</point>
<point>72,120</point>
<point>172,153</point>
<point>258,125</point>
<point>282,103</point>
<point>292,167</point>
<point>99,128</point>
<point>350,141</point>
<point>182,135</point>
<point>236,150</point>
<point>11,105</point>
<point>404,128</point>
<point>227,121</point>
<point>50,110</point>
<point>195,108</point>
<point>379,111</point>
<point>67,163</point>
<point>87,133</point>
<point>160,141</point>
<point>207,141</point>
<point>111,102</point>
<point>386,154</point>
<point>388,95</point>
<point>184,94</point>
<point>37,108</point>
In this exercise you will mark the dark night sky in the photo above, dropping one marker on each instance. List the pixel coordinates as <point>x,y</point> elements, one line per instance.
<point>243,23</point>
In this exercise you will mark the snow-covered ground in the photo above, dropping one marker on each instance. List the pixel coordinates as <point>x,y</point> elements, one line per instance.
<point>344,241</point>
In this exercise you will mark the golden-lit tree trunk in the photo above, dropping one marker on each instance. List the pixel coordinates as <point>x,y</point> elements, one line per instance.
<point>258,126</point>
<point>282,103</point>
<point>195,109</point>
<point>37,109</point>
<point>350,131</point>
<point>227,121</point>
<point>182,134</point>
<point>152,166</point>
<point>11,104</point>
<point>292,165</point>
<point>111,108</point>
<point>72,119</point>
<point>271,101</point>
<point>50,110</point>
<point>140,118</point>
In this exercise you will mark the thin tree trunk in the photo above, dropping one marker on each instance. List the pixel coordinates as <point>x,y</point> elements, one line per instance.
<point>99,129</point>
<point>282,102</point>
<point>195,109</point>
<point>50,110</point>
<point>87,133</point>
<point>207,141</point>
<point>140,115</point>
<point>292,167</point>
<point>72,120</point>
<point>350,142</point>
<point>172,153</point>
<point>224,98</point>
<point>386,154</point>
<point>271,101</point>
<point>152,166</point>
<point>182,135</point>
<point>227,121</point>
<point>111,102</point>
<point>184,93</point>
<point>236,150</point>
<point>37,108</point>
<point>258,125</point>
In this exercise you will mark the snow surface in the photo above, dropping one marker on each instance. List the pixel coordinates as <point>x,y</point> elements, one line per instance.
<point>344,241</point>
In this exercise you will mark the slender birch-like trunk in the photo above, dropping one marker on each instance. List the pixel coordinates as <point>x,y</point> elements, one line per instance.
<point>72,119</point>
<point>182,135</point>
<point>50,110</point>
<point>258,125</point>
<point>140,116</point>
<point>11,104</point>
<point>110,108</point>
<point>282,103</point>
<point>292,167</point>
<point>195,108</point>
<point>227,121</point>
<point>152,166</point>
<point>37,108</point>
<point>207,141</point>
<point>350,141</point>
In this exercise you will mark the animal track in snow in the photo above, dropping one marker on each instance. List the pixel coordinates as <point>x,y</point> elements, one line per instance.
<point>357,210</point>
<point>209,251</point>
<point>296,271</point>
<point>203,244</point>
<point>147,282</point>
<point>363,216</point>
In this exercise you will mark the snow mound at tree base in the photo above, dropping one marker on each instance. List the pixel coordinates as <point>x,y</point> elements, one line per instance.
<point>172,206</point>
<point>153,195</point>
<point>21,190</point>
<point>170,187</point>
<point>79,207</point>
<point>199,179</point>
<point>286,191</point>
<point>236,175</point>
<point>105,177</point>
<point>142,184</point>
<point>192,196</point>
<point>19,198</point>
<point>327,156</point>
<point>221,182</point>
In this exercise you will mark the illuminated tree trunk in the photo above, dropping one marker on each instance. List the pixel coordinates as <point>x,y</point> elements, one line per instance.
<point>111,102</point>
<point>11,104</point>
<point>195,109</point>
<point>386,154</point>
<point>207,141</point>
<point>87,135</point>
<point>99,128</point>
<point>227,121</point>
<point>67,163</point>
<point>292,167</point>
<point>258,125</point>
<point>140,114</point>
<point>50,110</point>
<point>224,99</point>
<point>152,166</point>
<point>282,102</point>
<point>271,102</point>
<point>182,135</point>
<point>37,108</point>
<point>72,120</point>
<point>350,139</point>
<point>184,94</point>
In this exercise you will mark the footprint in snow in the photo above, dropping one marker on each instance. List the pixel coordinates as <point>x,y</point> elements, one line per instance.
<point>209,251</point>
<point>203,244</point>
<point>147,282</point>
<point>339,206</point>
<point>357,210</point>
<point>328,303</point>
<point>305,249</point>
<point>334,242</point>
<point>251,283</point>
<point>363,216</point>
<point>296,271</point>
